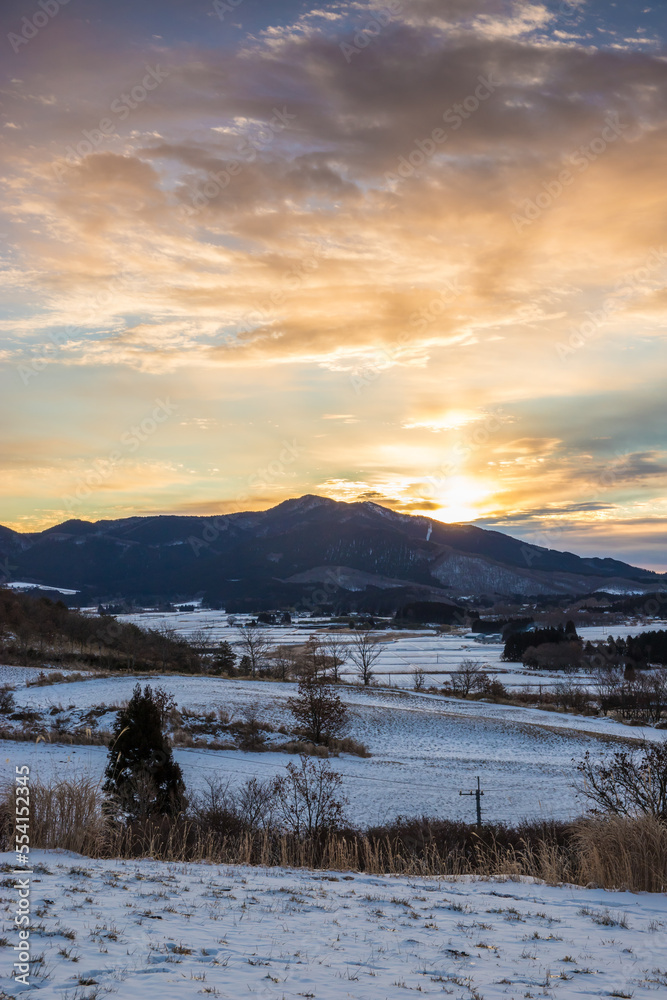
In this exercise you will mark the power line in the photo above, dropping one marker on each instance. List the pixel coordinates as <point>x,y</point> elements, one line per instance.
<point>360,777</point>
<point>262,763</point>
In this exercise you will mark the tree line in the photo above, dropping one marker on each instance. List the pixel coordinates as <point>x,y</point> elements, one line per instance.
<point>33,629</point>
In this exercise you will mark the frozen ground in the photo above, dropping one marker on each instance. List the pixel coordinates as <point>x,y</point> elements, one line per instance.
<point>131,929</point>
<point>425,748</point>
<point>437,655</point>
<point>19,675</point>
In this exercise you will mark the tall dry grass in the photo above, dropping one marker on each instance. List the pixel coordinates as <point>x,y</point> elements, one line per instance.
<point>65,814</point>
<point>624,853</point>
<point>613,853</point>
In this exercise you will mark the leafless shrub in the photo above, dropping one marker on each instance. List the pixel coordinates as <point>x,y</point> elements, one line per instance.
<point>630,783</point>
<point>309,800</point>
<point>256,804</point>
<point>251,732</point>
<point>569,696</point>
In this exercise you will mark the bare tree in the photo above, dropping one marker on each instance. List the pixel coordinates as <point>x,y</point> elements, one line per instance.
<point>284,660</point>
<point>608,681</point>
<point>468,677</point>
<point>308,797</point>
<point>199,639</point>
<point>255,643</point>
<point>166,706</point>
<point>214,804</point>
<point>318,709</point>
<point>418,679</point>
<point>312,659</point>
<point>650,690</point>
<point>337,650</point>
<point>365,651</point>
<point>632,783</point>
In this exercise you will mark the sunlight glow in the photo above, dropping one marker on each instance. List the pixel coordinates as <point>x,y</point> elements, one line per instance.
<point>461,500</point>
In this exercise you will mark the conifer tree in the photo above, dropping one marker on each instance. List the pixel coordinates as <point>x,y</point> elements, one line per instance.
<point>142,777</point>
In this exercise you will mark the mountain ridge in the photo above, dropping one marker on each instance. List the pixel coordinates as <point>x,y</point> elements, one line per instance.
<point>278,555</point>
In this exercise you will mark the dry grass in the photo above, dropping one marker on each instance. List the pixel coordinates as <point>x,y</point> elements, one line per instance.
<point>66,814</point>
<point>613,853</point>
<point>625,853</point>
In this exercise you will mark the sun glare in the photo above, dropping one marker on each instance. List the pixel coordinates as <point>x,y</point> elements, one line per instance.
<point>461,500</point>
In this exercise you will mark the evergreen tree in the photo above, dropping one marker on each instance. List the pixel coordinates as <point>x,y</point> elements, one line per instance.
<point>225,658</point>
<point>142,777</point>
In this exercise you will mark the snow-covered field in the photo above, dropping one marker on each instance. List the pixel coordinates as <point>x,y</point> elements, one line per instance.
<point>131,929</point>
<point>437,655</point>
<point>425,748</point>
<point>20,675</point>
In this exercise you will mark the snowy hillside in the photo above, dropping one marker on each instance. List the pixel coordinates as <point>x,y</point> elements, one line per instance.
<point>132,929</point>
<point>425,747</point>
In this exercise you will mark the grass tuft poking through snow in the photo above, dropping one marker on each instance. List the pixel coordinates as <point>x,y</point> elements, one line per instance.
<point>156,930</point>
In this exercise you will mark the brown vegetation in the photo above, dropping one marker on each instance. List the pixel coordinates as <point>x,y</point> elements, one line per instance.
<point>614,853</point>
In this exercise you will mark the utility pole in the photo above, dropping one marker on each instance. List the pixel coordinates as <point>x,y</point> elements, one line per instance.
<point>478,796</point>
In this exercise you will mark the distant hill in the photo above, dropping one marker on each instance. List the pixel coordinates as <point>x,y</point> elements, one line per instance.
<point>304,552</point>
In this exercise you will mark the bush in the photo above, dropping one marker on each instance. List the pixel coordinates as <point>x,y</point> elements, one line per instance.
<point>7,701</point>
<point>494,689</point>
<point>613,852</point>
<point>308,798</point>
<point>631,783</point>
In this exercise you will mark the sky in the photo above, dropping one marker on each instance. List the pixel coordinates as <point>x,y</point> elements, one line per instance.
<point>411,252</point>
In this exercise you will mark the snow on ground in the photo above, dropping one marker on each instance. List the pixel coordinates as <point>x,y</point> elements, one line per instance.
<point>21,675</point>
<point>22,585</point>
<point>425,748</point>
<point>437,655</point>
<point>158,931</point>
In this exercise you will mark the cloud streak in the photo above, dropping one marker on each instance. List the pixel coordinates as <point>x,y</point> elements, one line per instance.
<point>264,205</point>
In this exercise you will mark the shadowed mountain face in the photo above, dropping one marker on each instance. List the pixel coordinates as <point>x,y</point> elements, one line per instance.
<point>301,553</point>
